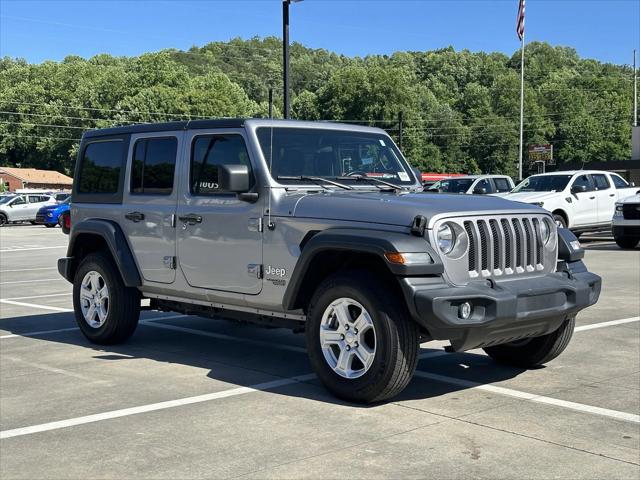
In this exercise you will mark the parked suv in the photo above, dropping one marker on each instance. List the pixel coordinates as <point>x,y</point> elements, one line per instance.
<point>22,208</point>
<point>50,214</point>
<point>581,200</point>
<point>626,222</point>
<point>474,184</point>
<point>318,227</point>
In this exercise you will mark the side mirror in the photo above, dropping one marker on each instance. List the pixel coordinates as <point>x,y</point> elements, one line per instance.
<point>236,179</point>
<point>233,178</point>
<point>480,190</point>
<point>578,189</point>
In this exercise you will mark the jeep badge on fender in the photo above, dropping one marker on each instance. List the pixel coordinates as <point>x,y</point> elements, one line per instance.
<point>354,253</point>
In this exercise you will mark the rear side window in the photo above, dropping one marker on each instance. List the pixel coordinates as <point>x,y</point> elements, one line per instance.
<point>153,166</point>
<point>619,182</point>
<point>502,184</point>
<point>601,181</point>
<point>207,154</point>
<point>583,180</point>
<point>100,167</point>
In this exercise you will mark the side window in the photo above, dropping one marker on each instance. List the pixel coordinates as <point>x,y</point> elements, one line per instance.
<point>34,199</point>
<point>583,180</point>
<point>153,166</point>
<point>484,183</point>
<point>100,167</point>
<point>601,181</point>
<point>619,182</point>
<point>19,201</point>
<point>502,184</point>
<point>207,154</point>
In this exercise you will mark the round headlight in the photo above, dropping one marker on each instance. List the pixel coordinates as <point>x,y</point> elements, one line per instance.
<point>545,231</point>
<point>446,238</point>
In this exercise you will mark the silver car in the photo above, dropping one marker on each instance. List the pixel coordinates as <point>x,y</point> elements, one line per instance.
<point>22,208</point>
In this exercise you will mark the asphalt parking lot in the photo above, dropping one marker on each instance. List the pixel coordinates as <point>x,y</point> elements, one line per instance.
<point>189,397</point>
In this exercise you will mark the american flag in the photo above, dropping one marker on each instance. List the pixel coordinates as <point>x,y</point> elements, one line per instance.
<point>520,21</point>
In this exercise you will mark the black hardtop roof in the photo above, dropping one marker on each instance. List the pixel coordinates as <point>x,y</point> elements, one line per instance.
<point>166,126</point>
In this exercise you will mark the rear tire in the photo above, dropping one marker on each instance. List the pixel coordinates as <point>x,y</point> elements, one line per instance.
<point>106,311</point>
<point>48,225</point>
<point>627,242</point>
<point>3,219</point>
<point>381,358</point>
<point>534,351</point>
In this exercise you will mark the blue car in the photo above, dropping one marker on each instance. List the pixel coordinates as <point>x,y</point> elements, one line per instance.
<point>48,215</point>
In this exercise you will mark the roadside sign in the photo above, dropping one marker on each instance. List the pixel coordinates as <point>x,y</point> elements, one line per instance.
<point>541,153</point>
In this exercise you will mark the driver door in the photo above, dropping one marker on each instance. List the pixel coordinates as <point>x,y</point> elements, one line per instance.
<point>19,209</point>
<point>585,204</point>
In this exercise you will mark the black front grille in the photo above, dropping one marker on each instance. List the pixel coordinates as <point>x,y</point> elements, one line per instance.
<point>472,246</point>
<point>507,243</point>
<point>483,245</point>
<point>631,211</point>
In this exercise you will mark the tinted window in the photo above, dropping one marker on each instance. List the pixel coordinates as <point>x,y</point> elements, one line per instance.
<point>583,180</point>
<point>619,182</point>
<point>207,154</point>
<point>502,184</point>
<point>35,199</point>
<point>19,201</point>
<point>100,167</point>
<point>601,181</point>
<point>153,167</point>
<point>455,186</point>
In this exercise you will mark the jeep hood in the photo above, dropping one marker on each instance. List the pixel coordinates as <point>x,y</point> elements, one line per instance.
<point>398,209</point>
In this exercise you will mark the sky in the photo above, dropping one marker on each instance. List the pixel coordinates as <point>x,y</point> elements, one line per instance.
<point>607,30</point>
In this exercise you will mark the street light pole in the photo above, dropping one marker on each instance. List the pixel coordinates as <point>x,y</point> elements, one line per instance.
<point>285,54</point>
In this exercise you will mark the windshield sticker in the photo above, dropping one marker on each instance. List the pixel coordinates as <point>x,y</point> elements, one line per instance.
<point>404,176</point>
<point>381,142</point>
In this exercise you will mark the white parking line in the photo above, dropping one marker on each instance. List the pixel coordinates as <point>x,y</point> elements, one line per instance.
<point>612,323</point>
<point>40,280</point>
<point>62,294</point>
<point>467,384</point>
<point>33,305</point>
<point>27,269</point>
<point>8,250</point>
<point>125,412</point>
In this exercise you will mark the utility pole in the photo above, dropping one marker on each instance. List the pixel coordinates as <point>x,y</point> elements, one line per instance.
<point>635,91</point>
<point>285,54</point>
<point>270,102</point>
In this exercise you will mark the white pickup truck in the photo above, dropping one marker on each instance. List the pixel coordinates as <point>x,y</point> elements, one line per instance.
<point>626,222</point>
<point>581,200</point>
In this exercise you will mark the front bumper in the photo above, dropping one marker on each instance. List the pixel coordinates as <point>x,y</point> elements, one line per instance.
<point>42,219</point>
<point>502,311</point>
<point>626,230</point>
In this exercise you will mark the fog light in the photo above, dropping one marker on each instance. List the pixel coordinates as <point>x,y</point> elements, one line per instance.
<point>464,310</point>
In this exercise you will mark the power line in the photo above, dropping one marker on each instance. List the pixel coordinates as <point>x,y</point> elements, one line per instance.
<point>39,137</point>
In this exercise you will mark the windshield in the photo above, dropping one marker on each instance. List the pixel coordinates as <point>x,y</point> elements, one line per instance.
<point>458,185</point>
<point>543,183</point>
<point>5,199</point>
<point>331,154</point>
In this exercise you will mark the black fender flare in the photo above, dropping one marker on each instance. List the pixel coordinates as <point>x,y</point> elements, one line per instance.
<point>376,242</point>
<point>116,241</point>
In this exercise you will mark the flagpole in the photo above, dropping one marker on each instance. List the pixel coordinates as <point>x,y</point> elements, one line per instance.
<point>521,108</point>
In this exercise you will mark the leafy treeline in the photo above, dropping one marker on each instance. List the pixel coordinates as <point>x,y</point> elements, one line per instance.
<point>460,109</point>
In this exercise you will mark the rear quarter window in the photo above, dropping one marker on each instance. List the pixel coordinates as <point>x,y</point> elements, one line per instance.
<point>100,171</point>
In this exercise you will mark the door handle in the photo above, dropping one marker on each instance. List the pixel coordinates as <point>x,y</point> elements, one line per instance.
<point>135,216</point>
<point>612,194</point>
<point>591,198</point>
<point>190,219</point>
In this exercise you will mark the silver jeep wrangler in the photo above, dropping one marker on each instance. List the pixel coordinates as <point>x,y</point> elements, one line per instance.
<point>321,228</point>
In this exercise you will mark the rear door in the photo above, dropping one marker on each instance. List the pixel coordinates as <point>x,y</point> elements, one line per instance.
<point>219,235</point>
<point>149,200</point>
<point>35,203</point>
<point>605,195</point>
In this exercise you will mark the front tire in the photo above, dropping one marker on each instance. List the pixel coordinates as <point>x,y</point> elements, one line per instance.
<point>361,341</point>
<point>536,351</point>
<point>106,310</point>
<point>560,221</point>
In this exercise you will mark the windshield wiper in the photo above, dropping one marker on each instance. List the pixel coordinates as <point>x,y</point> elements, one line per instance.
<point>373,179</point>
<point>314,179</point>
